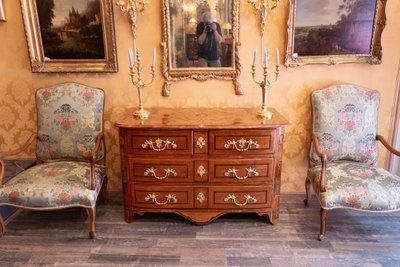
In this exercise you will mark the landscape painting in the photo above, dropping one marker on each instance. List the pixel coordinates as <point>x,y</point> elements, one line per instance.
<point>332,28</point>
<point>70,35</point>
<point>71,29</point>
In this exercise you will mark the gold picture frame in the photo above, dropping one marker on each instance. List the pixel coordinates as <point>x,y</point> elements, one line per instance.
<point>2,14</point>
<point>374,56</point>
<point>94,58</point>
<point>174,74</point>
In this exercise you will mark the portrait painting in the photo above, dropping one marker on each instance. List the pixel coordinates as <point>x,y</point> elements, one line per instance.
<point>335,29</point>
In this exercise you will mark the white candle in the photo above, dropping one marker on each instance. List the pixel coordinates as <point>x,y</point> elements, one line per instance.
<point>277,57</point>
<point>154,57</point>
<point>266,59</point>
<point>131,58</point>
<point>255,57</point>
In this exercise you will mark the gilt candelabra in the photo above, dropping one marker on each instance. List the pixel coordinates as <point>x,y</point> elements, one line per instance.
<point>265,83</point>
<point>137,81</point>
<point>132,7</point>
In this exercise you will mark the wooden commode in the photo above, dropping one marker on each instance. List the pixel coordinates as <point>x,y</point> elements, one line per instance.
<point>201,162</point>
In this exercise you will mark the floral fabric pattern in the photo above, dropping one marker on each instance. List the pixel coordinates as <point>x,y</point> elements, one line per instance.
<point>65,117</point>
<point>345,122</point>
<point>70,117</point>
<point>53,185</point>
<point>357,186</point>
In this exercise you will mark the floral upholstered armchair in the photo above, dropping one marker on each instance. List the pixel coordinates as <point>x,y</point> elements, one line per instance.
<point>344,151</point>
<point>69,147</point>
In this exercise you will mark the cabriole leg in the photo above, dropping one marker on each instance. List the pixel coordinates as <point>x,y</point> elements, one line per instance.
<point>324,222</point>
<point>91,219</point>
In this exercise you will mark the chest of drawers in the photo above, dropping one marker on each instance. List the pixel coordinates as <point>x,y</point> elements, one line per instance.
<point>201,163</point>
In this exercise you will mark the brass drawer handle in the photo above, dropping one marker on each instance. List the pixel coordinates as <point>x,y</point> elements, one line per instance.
<point>169,199</point>
<point>152,172</point>
<point>233,172</point>
<point>159,144</point>
<point>232,198</point>
<point>241,144</point>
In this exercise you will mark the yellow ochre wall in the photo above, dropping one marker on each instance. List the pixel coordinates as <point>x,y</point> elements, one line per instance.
<point>290,95</point>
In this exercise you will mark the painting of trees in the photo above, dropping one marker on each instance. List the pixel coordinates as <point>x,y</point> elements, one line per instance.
<point>46,15</point>
<point>350,34</point>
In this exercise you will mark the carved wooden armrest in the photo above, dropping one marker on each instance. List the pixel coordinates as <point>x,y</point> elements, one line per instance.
<point>92,182</point>
<point>387,145</point>
<point>323,162</point>
<point>11,154</point>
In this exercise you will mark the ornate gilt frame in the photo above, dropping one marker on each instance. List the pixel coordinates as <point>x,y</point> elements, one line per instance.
<point>174,75</point>
<point>36,52</point>
<point>374,57</point>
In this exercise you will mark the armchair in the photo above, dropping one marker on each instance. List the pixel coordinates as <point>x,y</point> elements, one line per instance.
<point>344,151</point>
<point>70,150</point>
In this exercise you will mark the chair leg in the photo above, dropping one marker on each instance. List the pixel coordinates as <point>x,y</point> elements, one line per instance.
<point>2,226</point>
<point>324,222</point>
<point>103,191</point>
<point>91,219</point>
<point>308,191</point>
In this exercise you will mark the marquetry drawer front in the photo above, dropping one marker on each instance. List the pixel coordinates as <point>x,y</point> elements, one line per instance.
<point>240,197</point>
<point>163,197</point>
<point>153,170</point>
<point>159,142</point>
<point>242,171</point>
<point>242,142</point>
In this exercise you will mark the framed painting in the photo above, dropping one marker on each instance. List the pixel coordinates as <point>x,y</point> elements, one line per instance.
<point>2,15</point>
<point>70,36</point>
<point>335,31</point>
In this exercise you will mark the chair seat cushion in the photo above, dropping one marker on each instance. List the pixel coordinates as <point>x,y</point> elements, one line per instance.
<point>53,185</point>
<point>357,186</point>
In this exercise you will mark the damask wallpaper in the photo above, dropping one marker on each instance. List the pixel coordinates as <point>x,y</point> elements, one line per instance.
<point>290,95</point>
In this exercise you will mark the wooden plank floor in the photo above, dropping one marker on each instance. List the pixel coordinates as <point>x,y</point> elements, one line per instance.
<point>60,239</point>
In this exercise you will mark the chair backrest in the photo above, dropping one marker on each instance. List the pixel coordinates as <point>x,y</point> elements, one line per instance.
<point>70,117</point>
<point>345,123</point>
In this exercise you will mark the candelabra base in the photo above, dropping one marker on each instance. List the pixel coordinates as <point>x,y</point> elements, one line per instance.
<point>264,113</point>
<point>141,114</point>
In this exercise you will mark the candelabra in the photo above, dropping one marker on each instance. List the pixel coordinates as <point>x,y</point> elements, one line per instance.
<point>265,83</point>
<point>132,7</point>
<point>137,81</point>
<point>262,6</point>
